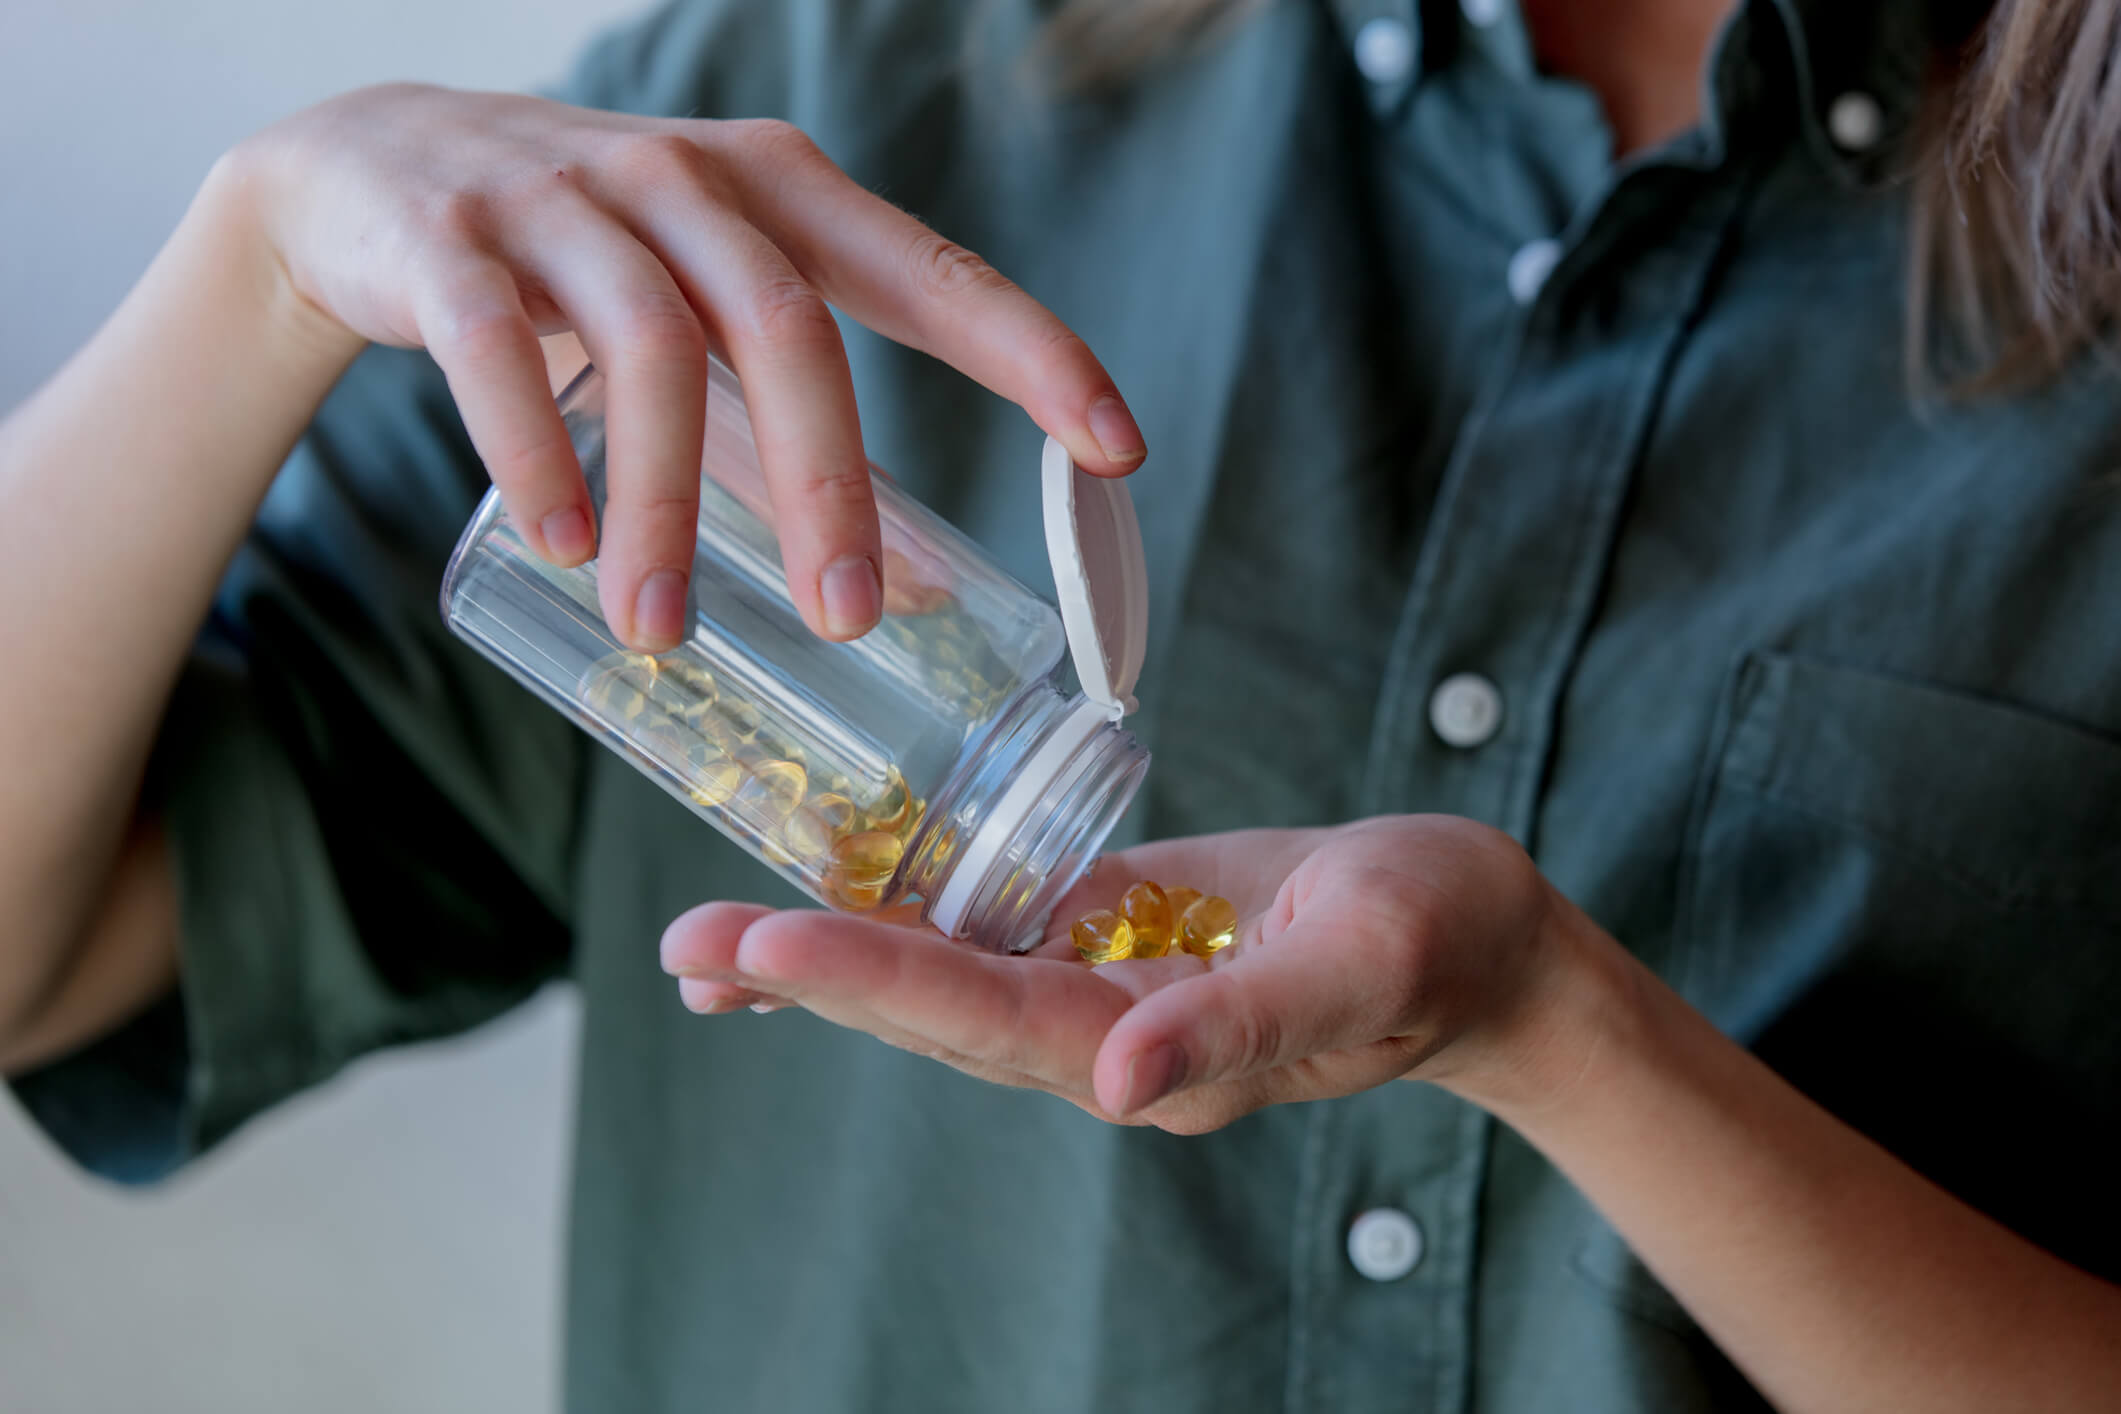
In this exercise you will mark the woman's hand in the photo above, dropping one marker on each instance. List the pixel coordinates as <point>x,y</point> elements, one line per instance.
<point>473,223</point>
<point>1400,946</point>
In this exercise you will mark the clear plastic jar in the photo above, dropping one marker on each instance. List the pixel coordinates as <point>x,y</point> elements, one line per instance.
<point>937,756</point>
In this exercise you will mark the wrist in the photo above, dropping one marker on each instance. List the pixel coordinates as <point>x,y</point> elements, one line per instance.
<point>1584,996</point>
<point>227,238</point>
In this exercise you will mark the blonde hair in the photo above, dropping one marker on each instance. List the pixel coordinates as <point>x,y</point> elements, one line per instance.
<point>2014,261</point>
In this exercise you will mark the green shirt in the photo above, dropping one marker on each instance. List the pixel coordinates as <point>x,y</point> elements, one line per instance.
<point>1811,698</point>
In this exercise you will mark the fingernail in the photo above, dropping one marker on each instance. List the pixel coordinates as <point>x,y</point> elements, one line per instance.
<point>853,595</point>
<point>567,534</point>
<point>1152,1075</point>
<point>1114,428</point>
<point>659,610</point>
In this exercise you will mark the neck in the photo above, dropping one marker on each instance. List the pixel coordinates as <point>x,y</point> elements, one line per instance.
<point>1643,58</point>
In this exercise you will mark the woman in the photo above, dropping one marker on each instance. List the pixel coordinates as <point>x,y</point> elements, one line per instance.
<point>1533,450</point>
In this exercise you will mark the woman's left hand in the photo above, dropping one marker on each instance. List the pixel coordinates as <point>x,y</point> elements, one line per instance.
<point>1413,945</point>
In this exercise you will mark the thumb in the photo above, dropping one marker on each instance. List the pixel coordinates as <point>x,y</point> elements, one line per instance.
<point>1315,987</point>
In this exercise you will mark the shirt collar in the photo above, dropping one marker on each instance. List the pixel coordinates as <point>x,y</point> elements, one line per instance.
<point>1861,71</point>
<point>1860,67</point>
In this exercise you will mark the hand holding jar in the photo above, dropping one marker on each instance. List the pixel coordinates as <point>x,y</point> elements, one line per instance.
<point>471,224</point>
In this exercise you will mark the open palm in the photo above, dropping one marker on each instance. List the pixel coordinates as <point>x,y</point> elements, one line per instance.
<point>1363,953</point>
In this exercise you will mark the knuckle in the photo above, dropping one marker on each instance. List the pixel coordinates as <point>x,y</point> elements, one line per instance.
<point>473,329</point>
<point>658,328</point>
<point>847,484</point>
<point>941,268</point>
<point>1055,345</point>
<point>1255,1039</point>
<point>775,142</point>
<point>460,217</point>
<point>523,466</point>
<point>658,158</point>
<point>660,522</point>
<point>788,313</point>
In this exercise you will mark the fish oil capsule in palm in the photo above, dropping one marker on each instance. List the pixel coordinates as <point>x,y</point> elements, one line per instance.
<point>861,868</point>
<point>1180,900</point>
<point>1148,912</point>
<point>1207,925</point>
<point>1102,936</point>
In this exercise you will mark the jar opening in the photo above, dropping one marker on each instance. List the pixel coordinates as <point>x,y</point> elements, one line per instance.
<point>1060,794</point>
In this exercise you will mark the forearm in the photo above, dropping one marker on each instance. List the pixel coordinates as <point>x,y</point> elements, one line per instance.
<point>126,484</point>
<point>1833,1275</point>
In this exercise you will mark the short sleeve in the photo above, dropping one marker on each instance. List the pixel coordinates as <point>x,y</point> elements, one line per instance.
<point>372,828</point>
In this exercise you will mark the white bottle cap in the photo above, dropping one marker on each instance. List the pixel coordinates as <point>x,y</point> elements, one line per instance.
<point>1100,576</point>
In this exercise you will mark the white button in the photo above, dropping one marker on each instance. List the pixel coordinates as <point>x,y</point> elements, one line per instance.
<point>1482,13</point>
<point>1384,1244</point>
<point>1529,268</point>
<point>1384,50</point>
<point>1466,710</point>
<point>1855,122</point>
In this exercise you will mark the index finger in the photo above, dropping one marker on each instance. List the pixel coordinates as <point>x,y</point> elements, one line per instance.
<point>1034,1016</point>
<point>910,284</point>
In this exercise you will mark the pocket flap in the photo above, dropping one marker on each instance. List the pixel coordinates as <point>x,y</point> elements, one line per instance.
<point>2018,806</point>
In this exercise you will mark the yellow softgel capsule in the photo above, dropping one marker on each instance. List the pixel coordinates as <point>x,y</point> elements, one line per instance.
<point>861,867</point>
<point>688,678</point>
<point>805,833</point>
<point>1180,899</point>
<point>1207,925</point>
<point>773,790</point>
<point>1148,913</point>
<point>836,810</point>
<point>620,687</point>
<point>892,804</point>
<point>715,781</point>
<point>1102,936</point>
<point>740,717</point>
<point>945,845</point>
<point>672,743</point>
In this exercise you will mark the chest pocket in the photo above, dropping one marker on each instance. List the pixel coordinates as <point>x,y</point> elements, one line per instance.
<point>1908,901</point>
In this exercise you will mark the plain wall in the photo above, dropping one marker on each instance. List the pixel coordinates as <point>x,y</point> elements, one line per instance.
<point>392,1241</point>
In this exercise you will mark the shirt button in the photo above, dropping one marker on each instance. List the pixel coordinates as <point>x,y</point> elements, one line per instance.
<point>1855,122</point>
<point>1466,710</point>
<point>1529,268</point>
<point>1482,13</point>
<point>1384,1244</point>
<point>1384,50</point>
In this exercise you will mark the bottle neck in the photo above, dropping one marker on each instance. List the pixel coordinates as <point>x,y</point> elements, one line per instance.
<point>1028,813</point>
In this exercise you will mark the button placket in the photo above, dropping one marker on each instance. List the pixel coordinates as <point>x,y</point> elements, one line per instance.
<point>1524,523</point>
<point>1394,1174</point>
<point>1384,40</point>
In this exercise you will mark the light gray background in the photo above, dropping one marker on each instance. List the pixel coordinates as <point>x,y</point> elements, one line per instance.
<point>392,1242</point>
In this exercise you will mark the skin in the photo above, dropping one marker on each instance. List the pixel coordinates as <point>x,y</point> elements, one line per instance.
<point>471,224</point>
<point>1429,948</point>
<point>1420,948</point>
